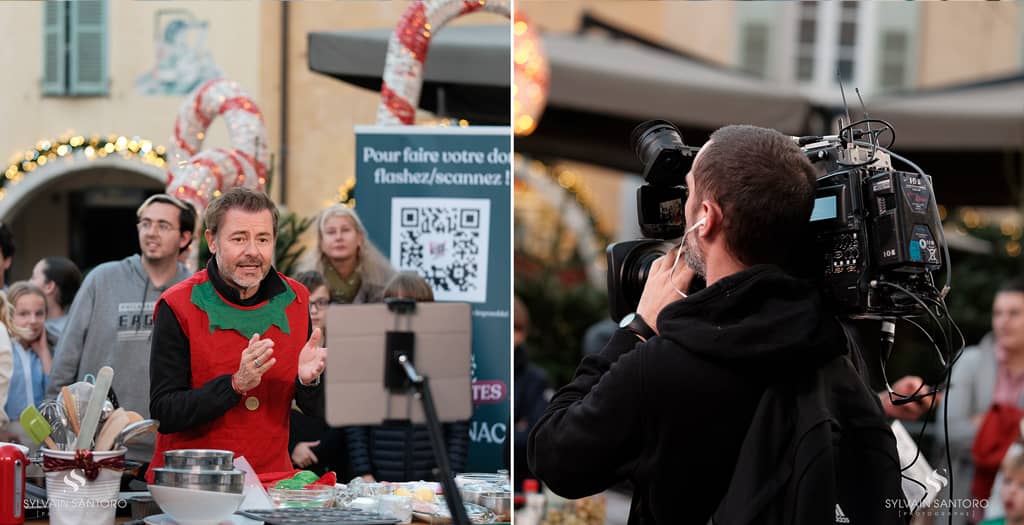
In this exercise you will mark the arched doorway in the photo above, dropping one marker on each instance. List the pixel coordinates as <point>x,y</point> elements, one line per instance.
<point>78,207</point>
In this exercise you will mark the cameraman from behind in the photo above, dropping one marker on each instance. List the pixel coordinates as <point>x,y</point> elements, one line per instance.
<point>719,405</point>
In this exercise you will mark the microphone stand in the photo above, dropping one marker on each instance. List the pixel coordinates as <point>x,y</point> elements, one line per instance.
<point>451,492</point>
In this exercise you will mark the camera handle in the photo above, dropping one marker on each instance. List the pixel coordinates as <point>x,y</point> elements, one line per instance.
<point>451,492</point>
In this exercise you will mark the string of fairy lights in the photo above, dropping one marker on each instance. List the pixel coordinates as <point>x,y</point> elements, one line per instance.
<point>67,147</point>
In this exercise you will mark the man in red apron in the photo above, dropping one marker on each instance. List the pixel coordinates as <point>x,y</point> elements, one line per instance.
<point>232,345</point>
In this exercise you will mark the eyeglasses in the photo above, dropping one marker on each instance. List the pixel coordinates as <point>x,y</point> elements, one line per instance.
<point>319,304</point>
<point>161,226</point>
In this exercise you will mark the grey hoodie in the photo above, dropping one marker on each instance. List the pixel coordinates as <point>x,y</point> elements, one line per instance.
<point>109,324</point>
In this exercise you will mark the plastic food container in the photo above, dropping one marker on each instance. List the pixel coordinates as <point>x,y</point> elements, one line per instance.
<point>321,496</point>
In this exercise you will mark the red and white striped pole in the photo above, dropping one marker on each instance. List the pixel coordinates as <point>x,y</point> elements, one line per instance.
<point>407,53</point>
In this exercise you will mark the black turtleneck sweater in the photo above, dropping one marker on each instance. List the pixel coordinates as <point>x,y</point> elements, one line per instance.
<point>173,401</point>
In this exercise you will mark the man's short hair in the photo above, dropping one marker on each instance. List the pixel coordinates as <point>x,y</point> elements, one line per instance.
<point>1015,284</point>
<point>66,275</point>
<point>765,187</point>
<point>242,199</point>
<point>6,241</point>
<point>186,217</point>
<point>311,279</point>
<point>409,285</point>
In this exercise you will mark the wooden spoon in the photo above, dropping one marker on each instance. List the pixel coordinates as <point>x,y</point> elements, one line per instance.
<point>111,429</point>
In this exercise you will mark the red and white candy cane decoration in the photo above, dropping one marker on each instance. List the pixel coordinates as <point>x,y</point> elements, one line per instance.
<point>199,176</point>
<point>407,52</point>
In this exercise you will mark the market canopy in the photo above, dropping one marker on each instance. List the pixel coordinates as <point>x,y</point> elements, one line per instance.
<point>467,73</point>
<point>979,116</point>
<point>619,77</point>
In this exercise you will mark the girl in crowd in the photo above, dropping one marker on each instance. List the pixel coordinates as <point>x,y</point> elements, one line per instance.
<point>1011,494</point>
<point>304,440</point>
<point>354,269</point>
<point>31,352</point>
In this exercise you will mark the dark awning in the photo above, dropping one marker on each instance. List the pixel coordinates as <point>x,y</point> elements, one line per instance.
<point>627,79</point>
<point>468,69</point>
<point>980,116</point>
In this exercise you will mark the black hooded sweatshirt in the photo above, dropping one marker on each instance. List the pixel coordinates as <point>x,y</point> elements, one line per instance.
<point>671,414</point>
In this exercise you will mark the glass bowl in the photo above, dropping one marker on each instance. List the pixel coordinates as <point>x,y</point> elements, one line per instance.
<point>320,496</point>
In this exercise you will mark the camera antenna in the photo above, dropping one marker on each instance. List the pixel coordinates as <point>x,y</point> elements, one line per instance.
<point>849,120</point>
<point>864,110</point>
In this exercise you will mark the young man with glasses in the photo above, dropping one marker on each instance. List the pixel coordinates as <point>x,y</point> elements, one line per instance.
<point>111,318</point>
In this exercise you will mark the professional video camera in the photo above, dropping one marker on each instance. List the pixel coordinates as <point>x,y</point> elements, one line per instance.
<point>875,239</point>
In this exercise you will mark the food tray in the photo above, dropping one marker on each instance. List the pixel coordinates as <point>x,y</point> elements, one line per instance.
<point>318,516</point>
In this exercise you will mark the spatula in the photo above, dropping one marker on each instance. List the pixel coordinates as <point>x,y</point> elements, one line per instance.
<point>36,426</point>
<point>92,412</point>
<point>70,408</point>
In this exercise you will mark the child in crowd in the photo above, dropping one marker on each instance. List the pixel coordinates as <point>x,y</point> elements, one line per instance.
<point>304,440</point>
<point>31,353</point>
<point>1012,493</point>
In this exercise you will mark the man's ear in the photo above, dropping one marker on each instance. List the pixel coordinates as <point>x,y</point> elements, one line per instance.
<point>209,241</point>
<point>7,262</point>
<point>186,238</point>
<point>713,218</point>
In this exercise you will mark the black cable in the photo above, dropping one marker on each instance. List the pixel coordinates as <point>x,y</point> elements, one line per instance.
<point>949,375</point>
<point>874,140</point>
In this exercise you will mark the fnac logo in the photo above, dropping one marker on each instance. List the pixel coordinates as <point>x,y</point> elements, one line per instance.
<point>74,480</point>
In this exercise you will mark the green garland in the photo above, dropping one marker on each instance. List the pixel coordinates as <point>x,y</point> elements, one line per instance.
<point>46,151</point>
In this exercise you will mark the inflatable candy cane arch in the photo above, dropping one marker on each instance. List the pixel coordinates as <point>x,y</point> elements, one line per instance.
<point>198,176</point>
<point>407,52</point>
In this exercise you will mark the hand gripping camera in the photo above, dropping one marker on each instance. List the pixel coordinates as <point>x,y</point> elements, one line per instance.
<point>875,239</point>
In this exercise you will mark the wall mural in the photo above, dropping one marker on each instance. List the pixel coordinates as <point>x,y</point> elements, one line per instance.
<point>183,61</point>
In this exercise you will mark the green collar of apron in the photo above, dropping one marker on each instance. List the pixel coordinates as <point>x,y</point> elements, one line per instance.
<point>225,316</point>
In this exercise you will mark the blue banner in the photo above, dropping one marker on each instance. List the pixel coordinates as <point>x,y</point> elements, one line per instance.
<point>438,201</point>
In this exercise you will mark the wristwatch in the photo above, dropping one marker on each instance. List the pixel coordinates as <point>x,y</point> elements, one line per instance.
<point>636,324</point>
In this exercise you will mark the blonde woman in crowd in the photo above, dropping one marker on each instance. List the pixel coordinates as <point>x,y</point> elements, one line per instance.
<point>7,329</point>
<point>353,267</point>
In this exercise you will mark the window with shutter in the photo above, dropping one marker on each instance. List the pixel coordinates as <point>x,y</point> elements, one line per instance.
<point>755,49</point>
<point>88,47</point>
<point>54,48</point>
<point>893,63</point>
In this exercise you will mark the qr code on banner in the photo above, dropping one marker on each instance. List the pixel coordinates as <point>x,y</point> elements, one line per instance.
<point>445,241</point>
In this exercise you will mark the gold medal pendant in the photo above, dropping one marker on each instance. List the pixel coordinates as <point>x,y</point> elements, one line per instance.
<point>252,403</point>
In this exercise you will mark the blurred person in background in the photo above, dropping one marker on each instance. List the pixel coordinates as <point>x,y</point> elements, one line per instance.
<point>307,431</point>
<point>532,391</point>
<point>985,395</point>
<point>32,355</point>
<point>8,330</point>
<point>353,267</point>
<point>6,253</point>
<point>1011,496</point>
<point>59,278</point>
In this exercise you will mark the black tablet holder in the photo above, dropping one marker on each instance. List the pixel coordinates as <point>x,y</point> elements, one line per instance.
<point>400,376</point>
